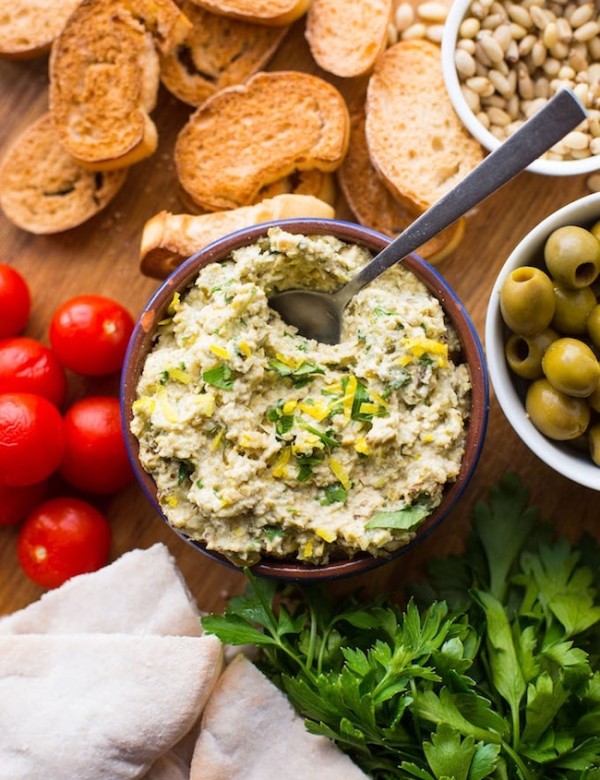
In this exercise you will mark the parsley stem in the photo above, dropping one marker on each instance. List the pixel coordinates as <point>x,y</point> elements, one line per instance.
<point>521,768</point>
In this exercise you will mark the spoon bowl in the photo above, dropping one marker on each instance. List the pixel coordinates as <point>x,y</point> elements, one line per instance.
<point>318,315</point>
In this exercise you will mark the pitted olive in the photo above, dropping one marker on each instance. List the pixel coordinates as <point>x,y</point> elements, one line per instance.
<point>571,366</point>
<point>527,300</point>
<point>573,308</point>
<point>572,256</point>
<point>555,414</point>
<point>524,353</point>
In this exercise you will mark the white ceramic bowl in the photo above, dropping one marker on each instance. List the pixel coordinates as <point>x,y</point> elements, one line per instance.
<point>564,459</point>
<point>547,167</point>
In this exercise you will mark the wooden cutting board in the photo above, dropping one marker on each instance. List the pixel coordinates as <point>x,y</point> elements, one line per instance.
<point>101,256</point>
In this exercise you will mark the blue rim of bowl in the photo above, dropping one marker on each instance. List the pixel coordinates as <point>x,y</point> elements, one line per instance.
<point>184,274</point>
<point>478,131</point>
<point>577,468</point>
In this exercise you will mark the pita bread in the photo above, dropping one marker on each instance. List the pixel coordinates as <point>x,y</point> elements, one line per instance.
<point>154,600</point>
<point>95,706</point>
<point>251,732</point>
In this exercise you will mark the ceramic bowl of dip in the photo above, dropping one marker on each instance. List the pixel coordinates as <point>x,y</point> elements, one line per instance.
<point>569,458</point>
<point>466,350</point>
<point>488,59</point>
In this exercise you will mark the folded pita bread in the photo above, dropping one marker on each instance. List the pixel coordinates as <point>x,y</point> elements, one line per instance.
<point>153,599</point>
<point>251,732</point>
<point>93,706</point>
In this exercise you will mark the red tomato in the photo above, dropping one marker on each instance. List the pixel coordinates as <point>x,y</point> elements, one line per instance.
<point>90,334</point>
<point>61,538</point>
<point>95,458</point>
<point>28,366</point>
<point>31,439</point>
<point>15,301</point>
<point>17,502</point>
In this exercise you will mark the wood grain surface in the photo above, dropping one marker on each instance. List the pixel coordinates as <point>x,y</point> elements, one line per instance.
<point>101,256</point>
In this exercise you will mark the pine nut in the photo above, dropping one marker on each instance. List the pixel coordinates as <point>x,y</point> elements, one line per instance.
<point>526,45</point>
<point>498,116</point>
<point>560,50</point>
<point>492,21</point>
<point>512,54</point>
<point>576,140</point>
<point>595,146</point>
<point>593,48</point>
<point>581,15</point>
<point>484,119</point>
<point>550,36</point>
<point>539,17</point>
<point>481,85</point>
<point>517,31</point>
<point>502,36</point>
<point>432,12</point>
<point>481,55</point>
<point>415,31</point>
<point>593,72</point>
<point>392,34</point>
<point>435,33</point>
<point>469,27</point>
<point>541,88</point>
<point>520,15</point>
<point>500,83</point>
<point>404,17</point>
<point>465,64</point>
<point>524,82</point>
<point>466,44</point>
<point>566,72</point>
<point>471,98</point>
<point>587,31</point>
<point>551,67</point>
<point>565,32</point>
<point>538,54</point>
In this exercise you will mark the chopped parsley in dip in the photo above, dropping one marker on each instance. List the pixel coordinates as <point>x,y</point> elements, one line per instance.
<point>262,442</point>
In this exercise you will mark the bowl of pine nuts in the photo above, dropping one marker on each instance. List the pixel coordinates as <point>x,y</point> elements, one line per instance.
<point>504,59</point>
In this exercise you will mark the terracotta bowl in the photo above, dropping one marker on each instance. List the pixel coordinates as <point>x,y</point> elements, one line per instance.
<point>142,341</point>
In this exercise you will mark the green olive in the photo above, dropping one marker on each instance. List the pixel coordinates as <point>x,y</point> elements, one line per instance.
<point>524,353</point>
<point>573,307</point>
<point>527,300</point>
<point>571,367</point>
<point>555,414</point>
<point>595,229</point>
<point>593,325</point>
<point>572,256</point>
<point>594,442</point>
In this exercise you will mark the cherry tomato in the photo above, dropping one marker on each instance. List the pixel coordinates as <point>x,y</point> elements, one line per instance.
<point>17,502</point>
<point>15,301</point>
<point>61,538</point>
<point>28,366</point>
<point>31,439</point>
<point>90,334</point>
<point>95,458</point>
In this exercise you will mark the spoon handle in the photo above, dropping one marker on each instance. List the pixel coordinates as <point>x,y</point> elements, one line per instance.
<point>560,115</point>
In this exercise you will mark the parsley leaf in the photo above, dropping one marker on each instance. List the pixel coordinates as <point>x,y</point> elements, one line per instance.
<point>300,376</point>
<point>220,376</point>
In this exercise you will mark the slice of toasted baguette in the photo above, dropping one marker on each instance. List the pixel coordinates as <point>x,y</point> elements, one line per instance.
<point>246,137</point>
<point>43,190</point>
<point>217,52</point>
<point>373,204</point>
<point>28,27</point>
<point>416,141</point>
<point>104,77</point>
<point>317,183</point>
<point>346,38</point>
<point>271,12</point>
<point>168,239</point>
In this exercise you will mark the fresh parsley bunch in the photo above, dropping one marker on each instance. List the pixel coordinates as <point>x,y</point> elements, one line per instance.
<point>491,671</point>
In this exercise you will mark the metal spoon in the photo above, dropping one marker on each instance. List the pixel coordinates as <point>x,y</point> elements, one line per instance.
<point>318,315</point>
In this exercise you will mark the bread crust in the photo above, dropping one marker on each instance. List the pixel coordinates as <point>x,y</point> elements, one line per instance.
<point>271,12</point>
<point>168,239</point>
<point>347,38</point>
<point>246,137</point>
<point>217,52</point>
<point>417,143</point>
<point>43,190</point>
<point>374,205</point>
